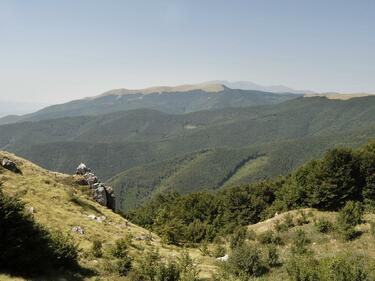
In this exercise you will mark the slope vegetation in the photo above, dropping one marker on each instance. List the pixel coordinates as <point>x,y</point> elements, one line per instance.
<point>58,203</point>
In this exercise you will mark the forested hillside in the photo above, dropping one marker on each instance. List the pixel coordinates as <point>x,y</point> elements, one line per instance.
<point>211,149</point>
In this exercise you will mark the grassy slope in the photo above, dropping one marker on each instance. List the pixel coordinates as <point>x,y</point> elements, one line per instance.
<point>322,245</point>
<point>51,194</point>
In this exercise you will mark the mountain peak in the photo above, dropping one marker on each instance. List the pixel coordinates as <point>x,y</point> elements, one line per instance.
<point>206,87</point>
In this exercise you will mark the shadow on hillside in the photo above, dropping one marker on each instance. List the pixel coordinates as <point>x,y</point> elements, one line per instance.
<point>79,274</point>
<point>85,206</point>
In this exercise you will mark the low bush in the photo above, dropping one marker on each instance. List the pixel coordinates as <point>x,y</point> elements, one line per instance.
<point>323,225</point>
<point>26,247</point>
<point>348,217</point>
<point>302,218</point>
<point>300,243</point>
<point>246,262</point>
<point>273,258</point>
<point>124,265</point>
<point>97,249</point>
<point>120,249</point>
<point>340,268</point>
<point>266,237</point>
<point>238,237</point>
<point>288,220</point>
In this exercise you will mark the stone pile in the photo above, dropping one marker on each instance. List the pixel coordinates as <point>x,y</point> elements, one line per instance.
<point>102,193</point>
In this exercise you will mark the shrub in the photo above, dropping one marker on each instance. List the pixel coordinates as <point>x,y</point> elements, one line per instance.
<point>340,268</point>
<point>96,249</point>
<point>219,251</point>
<point>343,268</point>
<point>348,217</point>
<point>372,229</point>
<point>266,237</point>
<point>303,268</point>
<point>64,249</point>
<point>146,267</point>
<point>288,220</point>
<point>300,243</point>
<point>120,250</point>
<point>238,237</point>
<point>323,225</point>
<point>351,214</point>
<point>168,272</point>
<point>28,248</point>
<point>272,256</point>
<point>347,232</point>
<point>189,272</point>
<point>246,262</point>
<point>280,226</point>
<point>124,265</point>
<point>302,218</point>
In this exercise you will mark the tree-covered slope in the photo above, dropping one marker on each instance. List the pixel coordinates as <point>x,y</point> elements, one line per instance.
<point>235,145</point>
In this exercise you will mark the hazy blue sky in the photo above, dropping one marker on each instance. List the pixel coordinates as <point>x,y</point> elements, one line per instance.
<point>52,51</point>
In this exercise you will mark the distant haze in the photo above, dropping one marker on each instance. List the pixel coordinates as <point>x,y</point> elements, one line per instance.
<point>18,108</point>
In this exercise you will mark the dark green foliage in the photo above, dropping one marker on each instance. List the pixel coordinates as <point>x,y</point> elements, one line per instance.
<point>323,225</point>
<point>372,229</point>
<point>124,265</point>
<point>281,226</point>
<point>146,267</point>
<point>351,214</point>
<point>273,258</point>
<point>96,249</point>
<point>303,268</point>
<point>203,216</point>
<point>150,267</point>
<point>344,268</point>
<point>246,262</point>
<point>120,249</point>
<point>324,184</point>
<point>26,247</point>
<point>168,272</point>
<point>348,217</point>
<point>266,237</point>
<point>145,151</point>
<point>340,268</point>
<point>300,243</point>
<point>188,270</point>
<point>328,183</point>
<point>237,239</point>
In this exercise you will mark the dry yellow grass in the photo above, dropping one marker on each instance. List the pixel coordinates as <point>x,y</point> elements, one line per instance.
<point>61,204</point>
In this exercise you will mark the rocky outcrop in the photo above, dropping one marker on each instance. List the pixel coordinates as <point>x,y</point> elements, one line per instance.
<point>101,193</point>
<point>82,169</point>
<point>10,165</point>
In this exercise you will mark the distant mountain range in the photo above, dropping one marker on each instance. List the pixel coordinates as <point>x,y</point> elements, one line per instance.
<point>173,100</point>
<point>190,137</point>
<point>145,151</point>
<point>247,85</point>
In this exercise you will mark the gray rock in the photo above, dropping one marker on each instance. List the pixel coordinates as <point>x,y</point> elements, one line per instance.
<point>99,194</point>
<point>91,179</point>
<point>82,169</point>
<point>111,199</point>
<point>10,165</point>
<point>78,229</point>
